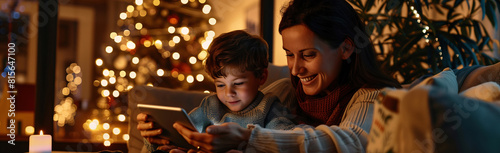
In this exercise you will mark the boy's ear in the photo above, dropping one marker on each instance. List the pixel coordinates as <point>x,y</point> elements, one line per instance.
<point>263,77</point>
<point>347,48</point>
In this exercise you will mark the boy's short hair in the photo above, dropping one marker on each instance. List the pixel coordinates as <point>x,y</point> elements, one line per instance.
<point>238,50</point>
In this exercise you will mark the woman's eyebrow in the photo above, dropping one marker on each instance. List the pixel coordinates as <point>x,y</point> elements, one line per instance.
<point>302,50</point>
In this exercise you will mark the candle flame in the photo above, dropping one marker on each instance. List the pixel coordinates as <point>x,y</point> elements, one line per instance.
<point>41,132</point>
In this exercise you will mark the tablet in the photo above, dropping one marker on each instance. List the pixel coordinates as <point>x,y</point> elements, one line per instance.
<point>166,116</point>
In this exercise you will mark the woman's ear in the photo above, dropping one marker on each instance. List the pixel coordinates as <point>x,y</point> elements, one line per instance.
<point>347,48</point>
<point>263,77</point>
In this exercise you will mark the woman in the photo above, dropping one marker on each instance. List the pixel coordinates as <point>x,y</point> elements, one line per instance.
<point>336,77</point>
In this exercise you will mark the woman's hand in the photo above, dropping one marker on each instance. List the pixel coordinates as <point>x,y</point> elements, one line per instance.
<point>219,138</point>
<point>148,130</point>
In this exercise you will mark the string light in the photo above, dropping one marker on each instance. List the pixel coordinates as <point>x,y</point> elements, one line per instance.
<point>121,118</point>
<point>104,83</point>
<point>112,35</point>
<point>116,131</point>
<point>105,93</point>
<point>98,62</point>
<point>184,30</point>
<point>206,9</point>
<point>138,26</point>
<point>184,1</point>
<point>116,93</point>
<point>212,21</point>
<point>123,15</point>
<point>171,29</point>
<point>105,136</point>
<point>107,143</point>
<point>176,55</point>
<point>105,126</point>
<point>202,55</point>
<point>192,60</point>
<point>176,39</point>
<point>130,45</point>
<point>132,75</point>
<point>135,60</point>
<point>158,44</point>
<point>105,72</point>
<point>190,79</point>
<point>138,2</point>
<point>160,72</point>
<point>123,73</point>
<point>200,77</point>
<point>109,49</point>
<point>126,137</point>
<point>118,39</point>
<point>156,2</point>
<point>126,32</point>
<point>130,8</point>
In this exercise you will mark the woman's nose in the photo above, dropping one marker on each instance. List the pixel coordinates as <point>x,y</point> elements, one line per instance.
<point>297,67</point>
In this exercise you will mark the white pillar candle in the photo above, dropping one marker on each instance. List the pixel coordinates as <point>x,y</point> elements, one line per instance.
<point>40,143</point>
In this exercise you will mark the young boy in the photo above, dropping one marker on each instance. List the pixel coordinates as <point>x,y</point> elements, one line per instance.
<point>237,62</point>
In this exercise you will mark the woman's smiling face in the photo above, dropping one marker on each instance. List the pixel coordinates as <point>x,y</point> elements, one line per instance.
<point>310,59</point>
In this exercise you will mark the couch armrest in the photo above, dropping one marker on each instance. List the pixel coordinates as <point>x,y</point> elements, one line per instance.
<point>157,96</point>
<point>482,75</point>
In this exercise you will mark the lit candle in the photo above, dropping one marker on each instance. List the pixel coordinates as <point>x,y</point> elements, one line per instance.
<point>40,143</point>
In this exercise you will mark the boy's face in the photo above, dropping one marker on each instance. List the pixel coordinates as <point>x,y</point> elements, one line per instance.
<point>237,90</point>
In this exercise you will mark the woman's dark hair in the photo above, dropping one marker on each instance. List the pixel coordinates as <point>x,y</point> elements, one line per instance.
<point>236,49</point>
<point>334,21</point>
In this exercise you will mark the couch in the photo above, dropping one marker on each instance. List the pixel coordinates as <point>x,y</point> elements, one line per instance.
<point>279,83</point>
